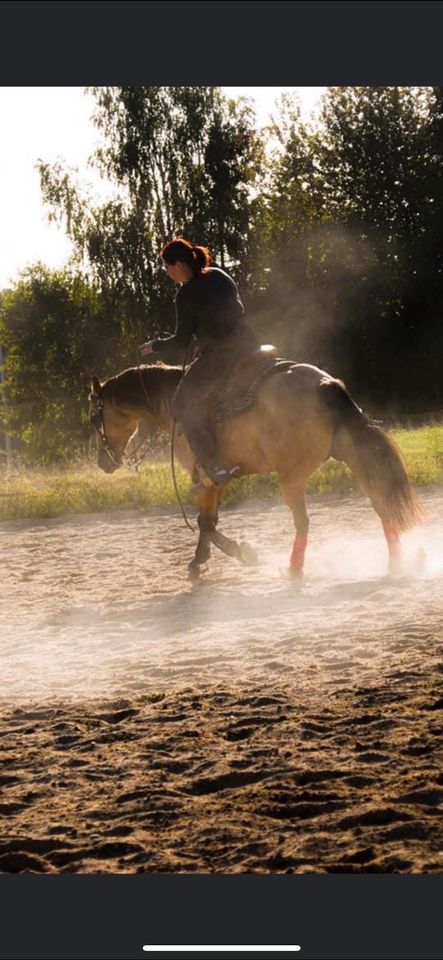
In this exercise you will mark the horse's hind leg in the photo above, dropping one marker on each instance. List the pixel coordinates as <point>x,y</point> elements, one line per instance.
<point>350,453</point>
<point>295,498</point>
<point>394,548</point>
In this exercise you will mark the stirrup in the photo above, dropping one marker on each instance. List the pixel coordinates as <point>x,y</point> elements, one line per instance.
<point>222,475</point>
<point>206,477</point>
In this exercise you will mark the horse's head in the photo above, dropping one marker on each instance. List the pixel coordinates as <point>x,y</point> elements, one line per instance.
<point>113,425</point>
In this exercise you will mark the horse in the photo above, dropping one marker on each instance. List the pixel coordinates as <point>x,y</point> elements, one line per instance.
<point>299,417</point>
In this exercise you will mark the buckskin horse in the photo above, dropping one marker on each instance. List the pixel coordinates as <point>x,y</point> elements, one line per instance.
<point>295,417</point>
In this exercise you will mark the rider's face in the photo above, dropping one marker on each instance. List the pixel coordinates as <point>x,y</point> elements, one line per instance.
<point>179,272</point>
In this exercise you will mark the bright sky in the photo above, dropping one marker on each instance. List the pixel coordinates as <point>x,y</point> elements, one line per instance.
<point>51,123</point>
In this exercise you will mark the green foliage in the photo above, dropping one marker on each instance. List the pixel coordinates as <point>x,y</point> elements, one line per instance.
<point>355,217</point>
<point>56,334</point>
<point>184,160</point>
<point>334,233</point>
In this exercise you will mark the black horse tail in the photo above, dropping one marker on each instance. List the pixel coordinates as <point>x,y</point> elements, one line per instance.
<point>373,458</point>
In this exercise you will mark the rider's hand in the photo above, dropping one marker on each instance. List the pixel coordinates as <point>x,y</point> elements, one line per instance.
<point>146,347</point>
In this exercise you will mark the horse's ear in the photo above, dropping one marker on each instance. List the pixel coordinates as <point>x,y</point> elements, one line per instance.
<point>96,386</point>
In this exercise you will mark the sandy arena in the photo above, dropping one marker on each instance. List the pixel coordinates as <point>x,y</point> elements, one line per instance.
<point>236,725</point>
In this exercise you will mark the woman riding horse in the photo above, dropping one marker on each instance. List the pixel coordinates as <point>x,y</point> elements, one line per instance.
<point>299,417</point>
<point>208,309</point>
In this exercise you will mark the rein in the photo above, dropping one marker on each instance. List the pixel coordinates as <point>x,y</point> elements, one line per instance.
<point>174,479</point>
<point>133,460</point>
<point>97,421</point>
<point>174,424</point>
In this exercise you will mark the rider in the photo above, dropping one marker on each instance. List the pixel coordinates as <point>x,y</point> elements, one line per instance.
<point>209,309</point>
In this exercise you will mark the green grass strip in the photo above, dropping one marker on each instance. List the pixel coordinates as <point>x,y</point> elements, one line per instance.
<point>54,492</point>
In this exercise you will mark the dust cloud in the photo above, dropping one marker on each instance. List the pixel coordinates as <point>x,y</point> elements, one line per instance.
<point>101,606</point>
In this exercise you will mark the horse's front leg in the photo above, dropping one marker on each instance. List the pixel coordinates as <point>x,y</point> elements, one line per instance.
<point>202,552</point>
<point>240,551</point>
<point>207,502</point>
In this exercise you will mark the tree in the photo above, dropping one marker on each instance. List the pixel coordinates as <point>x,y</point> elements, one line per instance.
<point>351,205</point>
<point>287,299</point>
<point>184,160</point>
<point>56,334</point>
<point>335,233</point>
<point>378,173</point>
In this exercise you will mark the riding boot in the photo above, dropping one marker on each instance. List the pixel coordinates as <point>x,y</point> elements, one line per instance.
<point>204,477</point>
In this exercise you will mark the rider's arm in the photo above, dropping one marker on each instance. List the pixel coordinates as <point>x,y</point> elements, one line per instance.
<point>184,330</point>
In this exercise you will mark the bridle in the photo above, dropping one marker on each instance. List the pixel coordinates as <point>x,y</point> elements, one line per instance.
<point>133,460</point>
<point>96,418</point>
<point>137,456</point>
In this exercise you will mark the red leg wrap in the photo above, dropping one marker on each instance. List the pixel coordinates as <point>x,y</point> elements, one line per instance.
<point>298,553</point>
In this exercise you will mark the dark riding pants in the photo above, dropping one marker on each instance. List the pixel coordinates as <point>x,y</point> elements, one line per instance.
<point>193,404</point>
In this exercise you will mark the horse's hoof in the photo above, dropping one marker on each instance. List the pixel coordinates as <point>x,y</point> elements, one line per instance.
<point>296,576</point>
<point>194,571</point>
<point>247,554</point>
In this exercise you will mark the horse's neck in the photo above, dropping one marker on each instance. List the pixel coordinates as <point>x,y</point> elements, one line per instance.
<point>156,397</point>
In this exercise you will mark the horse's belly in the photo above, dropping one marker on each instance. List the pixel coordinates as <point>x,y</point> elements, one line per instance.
<point>239,443</point>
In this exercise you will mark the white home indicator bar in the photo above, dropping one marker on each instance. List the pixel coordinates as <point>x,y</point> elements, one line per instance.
<point>223,948</point>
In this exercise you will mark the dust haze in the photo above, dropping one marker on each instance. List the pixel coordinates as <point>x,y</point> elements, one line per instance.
<point>102,606</point>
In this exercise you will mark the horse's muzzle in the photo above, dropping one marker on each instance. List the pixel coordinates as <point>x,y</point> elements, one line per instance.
<point>105,463</point>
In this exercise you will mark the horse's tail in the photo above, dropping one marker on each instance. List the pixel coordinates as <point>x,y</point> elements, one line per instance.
<point>373,457</point>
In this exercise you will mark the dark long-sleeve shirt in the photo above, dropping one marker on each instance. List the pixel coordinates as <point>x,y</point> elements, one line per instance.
<point>208,308</point>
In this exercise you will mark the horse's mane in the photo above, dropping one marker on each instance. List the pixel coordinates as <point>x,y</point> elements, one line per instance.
<point>160,382</point>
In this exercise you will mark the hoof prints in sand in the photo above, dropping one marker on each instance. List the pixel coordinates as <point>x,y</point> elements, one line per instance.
<point>162,784</point>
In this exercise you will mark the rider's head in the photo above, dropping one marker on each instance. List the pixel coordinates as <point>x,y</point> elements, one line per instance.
<point>183,260</point>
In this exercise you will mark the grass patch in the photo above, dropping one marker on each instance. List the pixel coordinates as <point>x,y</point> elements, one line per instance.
<point>423,453</point>
<point>51,493</point>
